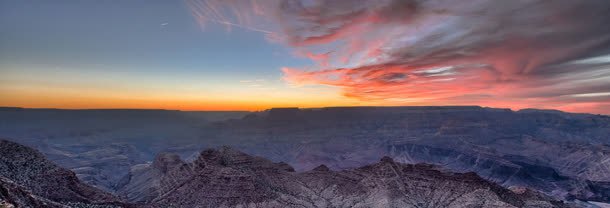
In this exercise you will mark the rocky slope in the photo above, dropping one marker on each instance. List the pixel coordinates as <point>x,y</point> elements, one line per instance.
<point>28,179</point>
<point>564,155</point>
<point>226,177</point>
<point>14,195</point>
<point>101,145</point>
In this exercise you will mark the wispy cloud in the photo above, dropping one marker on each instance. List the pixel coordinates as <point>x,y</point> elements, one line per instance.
<point>215,11</point>
<point>522,53</point>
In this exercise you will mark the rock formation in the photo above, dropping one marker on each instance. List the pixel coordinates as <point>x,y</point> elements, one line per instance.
<point>225,177</point>
<point>28,179</point>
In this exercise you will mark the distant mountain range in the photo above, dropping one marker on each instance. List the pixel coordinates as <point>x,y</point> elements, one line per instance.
<point>563,155</point>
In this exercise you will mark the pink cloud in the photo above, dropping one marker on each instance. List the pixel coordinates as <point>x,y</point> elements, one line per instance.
<point>514,54</point>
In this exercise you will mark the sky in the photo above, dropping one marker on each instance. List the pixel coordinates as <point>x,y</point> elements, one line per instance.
<point>258,54</point>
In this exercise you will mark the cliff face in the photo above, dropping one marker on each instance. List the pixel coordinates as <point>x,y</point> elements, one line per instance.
<point>14,195</point>
<point>561,154</point>
<point>144,182</point>
<point>226,177</point>
<point>100,146</point>
<point>27,177</point>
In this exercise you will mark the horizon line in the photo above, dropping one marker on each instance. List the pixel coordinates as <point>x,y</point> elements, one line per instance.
<point>292,107</point>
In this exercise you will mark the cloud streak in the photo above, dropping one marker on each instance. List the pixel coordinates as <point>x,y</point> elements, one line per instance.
<point>522,53</point>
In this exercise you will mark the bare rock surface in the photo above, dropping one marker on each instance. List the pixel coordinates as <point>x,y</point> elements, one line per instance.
<point>563,155</point>
<point>28,179</point>
<point>14,195</point>
<point>225,177</point>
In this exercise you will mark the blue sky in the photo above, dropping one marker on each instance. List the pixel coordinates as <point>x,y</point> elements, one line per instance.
<point>156,36</point>
<point>312,53</point>
<point>139,53</point>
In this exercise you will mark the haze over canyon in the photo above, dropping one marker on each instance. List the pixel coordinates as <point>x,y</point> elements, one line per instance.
<point>269,158</point>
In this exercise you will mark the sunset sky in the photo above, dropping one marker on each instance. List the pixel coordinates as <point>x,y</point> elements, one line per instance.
<point>258,54</point>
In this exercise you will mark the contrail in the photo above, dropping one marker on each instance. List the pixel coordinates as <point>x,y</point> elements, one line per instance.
<point>206,12</point>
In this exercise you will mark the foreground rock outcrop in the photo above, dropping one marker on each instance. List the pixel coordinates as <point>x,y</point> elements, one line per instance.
<point>28,179</point>
<point>225,177</point>
<point>14,195</point>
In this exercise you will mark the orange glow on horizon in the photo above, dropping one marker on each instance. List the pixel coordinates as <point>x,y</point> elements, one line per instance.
<point>63,100</point>
<point>50,101</point>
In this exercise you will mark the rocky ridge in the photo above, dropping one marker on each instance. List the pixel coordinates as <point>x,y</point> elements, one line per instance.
<point>28,179</point>
<point>225,177</point>
<point>565,155</point>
